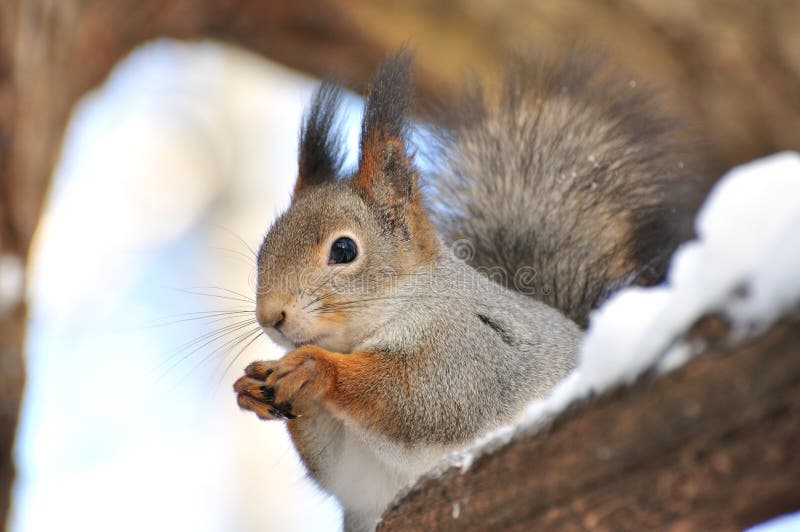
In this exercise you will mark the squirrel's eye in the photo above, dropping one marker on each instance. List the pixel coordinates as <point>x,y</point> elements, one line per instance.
<point>343,251</point>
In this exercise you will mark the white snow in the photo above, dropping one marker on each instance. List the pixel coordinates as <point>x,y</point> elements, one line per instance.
<point>744,264</point>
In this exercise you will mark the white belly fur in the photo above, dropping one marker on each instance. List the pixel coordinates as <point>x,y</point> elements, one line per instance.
<point>364,471</point>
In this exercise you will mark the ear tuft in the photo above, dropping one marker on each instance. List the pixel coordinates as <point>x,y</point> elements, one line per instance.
<point>384,167</point>
<point>321,146</point>
<point>388,102</point>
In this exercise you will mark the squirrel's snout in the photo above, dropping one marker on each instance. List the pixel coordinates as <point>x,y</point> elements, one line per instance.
<point>273,318</point>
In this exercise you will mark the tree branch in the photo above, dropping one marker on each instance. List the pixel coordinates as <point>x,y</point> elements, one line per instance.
<point>712,446</point>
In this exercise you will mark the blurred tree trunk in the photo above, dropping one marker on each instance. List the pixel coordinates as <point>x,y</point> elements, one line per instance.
<point>732,66</point>
<point>12,305</point>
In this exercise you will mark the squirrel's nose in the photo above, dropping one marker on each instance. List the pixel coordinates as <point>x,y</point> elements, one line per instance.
<point>271,317</point>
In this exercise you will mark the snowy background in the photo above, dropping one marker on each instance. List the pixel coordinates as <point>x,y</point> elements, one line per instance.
<point>170,175</point>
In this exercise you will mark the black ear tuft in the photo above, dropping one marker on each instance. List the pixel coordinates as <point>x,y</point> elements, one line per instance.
<point>321,146</point>
<point>388,103</point>
<point>384,169</point>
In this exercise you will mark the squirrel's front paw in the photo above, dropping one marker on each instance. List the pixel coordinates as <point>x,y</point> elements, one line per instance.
<point>285,388</point>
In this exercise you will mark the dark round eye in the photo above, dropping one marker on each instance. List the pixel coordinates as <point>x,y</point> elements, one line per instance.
<point>343,251</point>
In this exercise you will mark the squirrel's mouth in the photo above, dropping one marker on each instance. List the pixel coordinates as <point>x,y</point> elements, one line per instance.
<point>286,341</point>
<point>310,341</point>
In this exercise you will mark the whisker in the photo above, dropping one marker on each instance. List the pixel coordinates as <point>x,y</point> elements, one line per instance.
<point>205,294</point>
<point>228,290</point>
<point>212,317</point>
<point>215,336</point>
<point>236,252</point>
<point>199,312</point>
<point>236,357</point>
<point>234,292</point>
<point>229,344</point>
<point>216,332</point>
<point>239,238</point>
<point>317,299</point>
<point>321,284</point>
<point>225,347</point>
<point>341,305</point>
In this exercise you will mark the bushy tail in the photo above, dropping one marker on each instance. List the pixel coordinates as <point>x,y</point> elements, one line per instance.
<point>568,181</point>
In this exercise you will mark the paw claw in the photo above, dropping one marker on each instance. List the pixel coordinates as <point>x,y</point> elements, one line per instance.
<point>262,410</point>
<point>267,392</point>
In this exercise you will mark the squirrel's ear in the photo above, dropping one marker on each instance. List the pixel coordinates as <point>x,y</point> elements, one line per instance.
<point>386,174</point>
<point>321,148</point>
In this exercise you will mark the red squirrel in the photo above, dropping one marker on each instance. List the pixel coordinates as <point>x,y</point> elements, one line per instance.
<point>562,187</point>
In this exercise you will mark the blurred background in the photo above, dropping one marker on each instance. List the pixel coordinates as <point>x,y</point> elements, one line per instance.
<point>141,282</point>
<point>145,146</point>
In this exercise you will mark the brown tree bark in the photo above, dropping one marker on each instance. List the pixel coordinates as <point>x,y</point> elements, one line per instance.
<point>713,446</point>
<point>733,65</point>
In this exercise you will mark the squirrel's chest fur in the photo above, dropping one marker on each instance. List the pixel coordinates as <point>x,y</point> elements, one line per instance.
<point>364,471</point>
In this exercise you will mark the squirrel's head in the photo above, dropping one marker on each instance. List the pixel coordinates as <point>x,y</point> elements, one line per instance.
<point>329,264</point>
